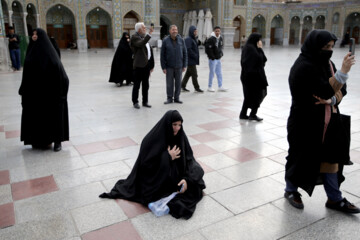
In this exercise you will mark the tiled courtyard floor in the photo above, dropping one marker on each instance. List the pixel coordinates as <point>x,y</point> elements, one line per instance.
<point>48,195</point>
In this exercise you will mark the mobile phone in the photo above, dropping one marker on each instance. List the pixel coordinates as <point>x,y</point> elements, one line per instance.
<point>180,188</point>
<point>352,46</point>
<point>152,25</point>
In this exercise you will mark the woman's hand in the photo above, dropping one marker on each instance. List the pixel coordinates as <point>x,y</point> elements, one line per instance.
<point>322,101</point>
<point>259,44</point>
<point>174,152</point>
<point>347,63</point>
<point>183,181</point>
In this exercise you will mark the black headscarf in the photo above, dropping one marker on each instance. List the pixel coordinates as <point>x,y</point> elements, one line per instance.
<point>254,38</point>
<point>315,41</point>
<point>155,175</point>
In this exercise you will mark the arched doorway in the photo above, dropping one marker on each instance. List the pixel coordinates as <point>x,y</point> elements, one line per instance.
<point>277,30</point>
<point>307,27</point>
<point>60,24</point>
<point>320,22</point>
<point>352,25</point>
<point>294,31</point>
<point>165,24</point>
<point>98,28</point>
<point>5,14</point>
<point>259,25</point>
<point>237,35</point>
<point>31,18</point>
<point>130,19</point>
<point>17,18</point>
<point>335,24</point>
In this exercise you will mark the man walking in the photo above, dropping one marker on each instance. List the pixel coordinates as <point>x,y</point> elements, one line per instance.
<point>173,60</point>
<point>213,48</point>
<point>14,42</point>
<point>193,60</point>
<point>143,63</point>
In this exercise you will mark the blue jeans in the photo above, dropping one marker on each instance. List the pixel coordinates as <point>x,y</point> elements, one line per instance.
<point>215,67</point>
<point>15,58</point>
<point>331,186</point>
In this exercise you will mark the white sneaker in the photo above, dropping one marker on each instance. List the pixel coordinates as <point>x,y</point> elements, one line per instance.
<point>211,90</point>
<point>222,89</point>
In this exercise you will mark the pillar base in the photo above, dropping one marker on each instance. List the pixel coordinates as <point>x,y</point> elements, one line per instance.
<point>285,42</point>
<point>228,35</point>
<point>116,42</point>
<point>5,62</point>
<point>82,45</point>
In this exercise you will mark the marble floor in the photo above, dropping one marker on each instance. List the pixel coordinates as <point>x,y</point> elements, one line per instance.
<point>54,195</point>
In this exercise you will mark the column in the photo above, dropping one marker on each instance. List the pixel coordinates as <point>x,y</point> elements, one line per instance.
<point>286,31</point>
<point>24,14</point>
<point>301,30</point>
<point>82,43</point>
<point>228,30</point>
<point>4,49</point>
<point>249,17</point>
<point>117,20</point>
<point>37,17</point>
<point>152,17</point>
<point>10,18</point>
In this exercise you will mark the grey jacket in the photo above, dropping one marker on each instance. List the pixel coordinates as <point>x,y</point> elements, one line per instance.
<point>138,46</point>
<point>173,53</point>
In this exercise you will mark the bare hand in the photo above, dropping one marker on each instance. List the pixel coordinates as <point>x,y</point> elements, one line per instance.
<point>174,152</point>
<point>164,71</point>
<point>347,63</point>
<point>183,69</point>
<point>183,181</point>
<point>151,70</point>
<point>322,101</point>
<point>259,44</point>
<point>151,30</point>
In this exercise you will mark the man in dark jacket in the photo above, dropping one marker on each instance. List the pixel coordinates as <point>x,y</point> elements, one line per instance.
<point>14,42</point>
<point>213,49</point>
<point>143,63</point>
<point>173,60</point>
<point>193,60</point>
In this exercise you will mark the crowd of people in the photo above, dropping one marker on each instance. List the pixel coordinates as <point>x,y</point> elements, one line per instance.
<point>166,164</point>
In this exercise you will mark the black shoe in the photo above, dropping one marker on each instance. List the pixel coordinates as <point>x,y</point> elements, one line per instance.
<point>294,199</point>
<point>146,105</point>
<point>136,105</point>
<point>57,147</point>
<point>199,90</point>
<point>244,117</point>
<point>178,101</point>
<point>343,206</point>
<point>255,118</point>
<point>168,101</point>
<point>185,90</point>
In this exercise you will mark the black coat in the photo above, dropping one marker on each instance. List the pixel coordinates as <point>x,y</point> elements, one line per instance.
<point>192,48</point>
<point>308,76</point>
<point>43,91</point>
<point>155,175</point>
<point>253,76</point>
<point>122,64</point>
<point>213,51</point>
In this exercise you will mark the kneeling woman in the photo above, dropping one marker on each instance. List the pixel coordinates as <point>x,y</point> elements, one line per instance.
<point>165,162</point>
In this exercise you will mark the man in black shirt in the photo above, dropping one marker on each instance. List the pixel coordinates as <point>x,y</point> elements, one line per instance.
<point>14,42</point>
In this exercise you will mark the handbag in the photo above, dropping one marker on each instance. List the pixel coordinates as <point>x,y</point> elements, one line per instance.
<point>336,145</point>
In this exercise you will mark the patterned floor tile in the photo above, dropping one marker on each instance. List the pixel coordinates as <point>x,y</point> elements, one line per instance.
<point>7,216</point>
<point>132,209</point>
<point>89,148</point>
<point>120,231</point>
<point>202,150</point>
<point>4,177</point>
<point>12,134</point>
<point>242,154</point>
<point>120,143</point>
<point>34,187</point>
<point>205,137</point>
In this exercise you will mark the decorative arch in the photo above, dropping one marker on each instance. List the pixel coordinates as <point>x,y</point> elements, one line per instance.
<point>129,20</point>
<point>5,15</point>
<point>320,22</point>
<point>17,18</point>
<point>60,24</point>
<point>352,25</point>
<point>98,28</point>
<point>165,24</point>
<point>259,25</point>
<point>95,7</point>
<point>294,34</point>
<point>277,30</point>
<point>307,27</point>
<point>239,23</point>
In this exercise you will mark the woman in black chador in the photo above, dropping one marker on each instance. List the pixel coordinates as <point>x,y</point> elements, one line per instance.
<point>253,76</point>
<point>43,91</point>
<point>165,162</point>
<point>317,150</point>
<point>122,64</point>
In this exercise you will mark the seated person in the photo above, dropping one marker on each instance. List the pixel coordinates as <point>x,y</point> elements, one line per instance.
<point>165,162</point>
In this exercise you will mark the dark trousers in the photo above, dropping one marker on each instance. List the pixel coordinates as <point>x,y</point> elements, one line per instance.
<point>171,74</point>
<point>191,72</point>
<point>141,76</point>
<point>15,58</point>
<point>244,109</point>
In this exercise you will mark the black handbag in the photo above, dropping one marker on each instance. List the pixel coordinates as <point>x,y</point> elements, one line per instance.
<point>336,145</point>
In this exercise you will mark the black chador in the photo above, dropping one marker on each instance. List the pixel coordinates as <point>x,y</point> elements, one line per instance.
<point>122,64</point>
<point>155,175</point>
<point>253,76</point>
<point>43,91</point>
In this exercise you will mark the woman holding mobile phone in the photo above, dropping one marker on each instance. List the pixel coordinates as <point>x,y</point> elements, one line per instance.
<point>317,90</point>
